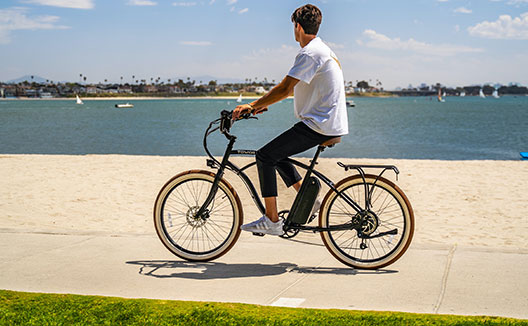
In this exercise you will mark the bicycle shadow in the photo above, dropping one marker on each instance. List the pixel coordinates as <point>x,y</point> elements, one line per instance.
<point>215,270</point>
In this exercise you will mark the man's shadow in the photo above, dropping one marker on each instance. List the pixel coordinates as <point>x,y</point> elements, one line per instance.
<point>214,270</point>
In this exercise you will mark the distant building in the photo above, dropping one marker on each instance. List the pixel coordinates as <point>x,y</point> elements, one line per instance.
<point>91,90</point>
<point>45,95</point>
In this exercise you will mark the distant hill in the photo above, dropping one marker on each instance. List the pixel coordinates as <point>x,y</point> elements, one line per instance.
<point>36,79</point>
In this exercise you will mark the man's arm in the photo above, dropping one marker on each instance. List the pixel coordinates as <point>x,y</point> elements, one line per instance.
<point>277,93</point>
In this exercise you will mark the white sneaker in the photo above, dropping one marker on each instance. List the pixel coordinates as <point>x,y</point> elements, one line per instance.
<point>264,225</point>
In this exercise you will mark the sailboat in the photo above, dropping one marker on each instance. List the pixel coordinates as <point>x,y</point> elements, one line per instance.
<point>462,94</point>
<point>481,94</point>
<point>440,99</point>
<point>496,94</point>
<point>239,99</point>
<point>79,101</point>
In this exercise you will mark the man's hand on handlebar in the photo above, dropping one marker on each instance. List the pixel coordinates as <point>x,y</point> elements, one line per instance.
<point>244,109</point>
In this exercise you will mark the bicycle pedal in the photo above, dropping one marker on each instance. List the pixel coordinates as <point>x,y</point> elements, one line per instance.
<point>258,234</point>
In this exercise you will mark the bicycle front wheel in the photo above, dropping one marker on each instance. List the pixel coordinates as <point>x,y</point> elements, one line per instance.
<point>386,227</point>
<point>194,238</point>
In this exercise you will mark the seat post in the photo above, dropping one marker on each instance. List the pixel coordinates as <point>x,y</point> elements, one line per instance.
<point>313,162</point>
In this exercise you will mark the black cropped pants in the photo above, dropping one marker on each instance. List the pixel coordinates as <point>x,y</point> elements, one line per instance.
<point>272,157</point>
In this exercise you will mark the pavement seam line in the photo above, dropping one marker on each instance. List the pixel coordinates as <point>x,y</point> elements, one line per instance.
<point>293,284</point>
<point>444,279</point>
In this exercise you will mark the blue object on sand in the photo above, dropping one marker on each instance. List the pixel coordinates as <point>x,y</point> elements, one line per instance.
<point>524,155</point>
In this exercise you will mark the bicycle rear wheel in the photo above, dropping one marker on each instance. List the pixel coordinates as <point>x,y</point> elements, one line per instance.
<point>197,239</point>
<point>390,211</point>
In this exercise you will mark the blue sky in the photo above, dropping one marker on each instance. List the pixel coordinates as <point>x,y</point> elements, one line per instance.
<point>454,42</point>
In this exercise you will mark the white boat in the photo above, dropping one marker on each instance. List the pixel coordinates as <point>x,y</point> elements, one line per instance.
<point>462,94</point>
<point>79,101</point>
<point>350,104</point>
<point>496,94</point>
<point>239,99</point>
<point>124,105</point>
<point>481,94</point>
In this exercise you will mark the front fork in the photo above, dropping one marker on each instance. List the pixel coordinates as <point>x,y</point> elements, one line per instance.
<point>203,212</point>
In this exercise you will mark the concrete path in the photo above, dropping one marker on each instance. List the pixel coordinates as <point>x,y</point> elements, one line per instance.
<point>268,271</point>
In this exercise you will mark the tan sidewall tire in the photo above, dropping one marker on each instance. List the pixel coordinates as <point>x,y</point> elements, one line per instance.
<point>226,187</point>
<point>400,197</point>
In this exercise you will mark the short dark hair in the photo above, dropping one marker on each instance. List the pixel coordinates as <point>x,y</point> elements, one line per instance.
<point>309,16</point>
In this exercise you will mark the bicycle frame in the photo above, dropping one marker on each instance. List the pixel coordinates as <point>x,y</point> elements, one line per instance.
<point>224,127</point>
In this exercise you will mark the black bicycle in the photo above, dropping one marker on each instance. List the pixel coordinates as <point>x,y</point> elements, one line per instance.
<point>365,220</point>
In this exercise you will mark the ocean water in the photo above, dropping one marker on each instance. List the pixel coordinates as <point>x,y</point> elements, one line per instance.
<point>468,128</point>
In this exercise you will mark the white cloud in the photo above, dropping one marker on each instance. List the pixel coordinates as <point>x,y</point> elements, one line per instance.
<point>196,43</point>
<point>184,4</point>
<point>463,10</point>
<point>243,11</point>
<point>379,41</point>
<point>231,2</point>
<point>76,4</point>
<point>13,19</point>
<point>142,3</point>
<point>505,27</point>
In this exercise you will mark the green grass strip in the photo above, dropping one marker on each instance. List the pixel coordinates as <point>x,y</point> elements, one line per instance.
<point>21,308</point>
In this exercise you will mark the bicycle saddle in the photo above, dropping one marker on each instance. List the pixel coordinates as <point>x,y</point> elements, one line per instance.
<point>331,142</point>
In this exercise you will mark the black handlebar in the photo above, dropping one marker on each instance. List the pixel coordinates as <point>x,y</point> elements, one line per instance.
<point>226,122</point>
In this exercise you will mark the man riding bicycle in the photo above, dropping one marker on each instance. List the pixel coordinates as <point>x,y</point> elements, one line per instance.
<point>316,80</point>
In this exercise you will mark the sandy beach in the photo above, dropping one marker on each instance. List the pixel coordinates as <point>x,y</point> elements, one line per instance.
<point>480,204</point>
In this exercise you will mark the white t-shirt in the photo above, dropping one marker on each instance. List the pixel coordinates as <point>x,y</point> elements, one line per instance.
<point>320,93</point>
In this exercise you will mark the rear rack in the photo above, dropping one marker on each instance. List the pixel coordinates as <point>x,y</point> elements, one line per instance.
<point>359,168</point>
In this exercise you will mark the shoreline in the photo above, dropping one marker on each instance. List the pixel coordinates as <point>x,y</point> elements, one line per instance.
<point>368,160</point>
